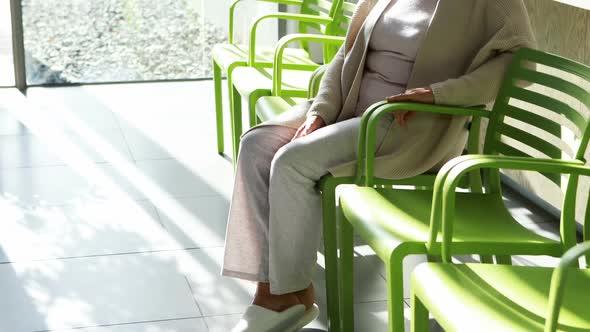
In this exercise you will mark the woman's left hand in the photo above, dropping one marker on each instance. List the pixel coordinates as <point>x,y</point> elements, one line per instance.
<point>419,95</point>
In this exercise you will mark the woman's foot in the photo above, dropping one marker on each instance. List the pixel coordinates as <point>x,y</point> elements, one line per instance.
<point>307,296</point>
<point>279,303</point>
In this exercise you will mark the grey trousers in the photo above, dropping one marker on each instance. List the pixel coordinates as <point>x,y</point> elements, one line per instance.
<point>275,218</point>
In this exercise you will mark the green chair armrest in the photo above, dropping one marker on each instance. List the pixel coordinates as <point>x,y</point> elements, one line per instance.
<point>232,10</point>
<point>449,176</point>
<point>280,16</point>
<point>558,279</point>
<point>282,45</point>
<point>370,120</point>
<point>315,81</point>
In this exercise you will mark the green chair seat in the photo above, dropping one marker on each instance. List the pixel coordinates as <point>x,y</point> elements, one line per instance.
<point>398,215</point>
<point>248,80</point>
<point>483,297</point>
<point>271,107</point>
<point>228,55</point>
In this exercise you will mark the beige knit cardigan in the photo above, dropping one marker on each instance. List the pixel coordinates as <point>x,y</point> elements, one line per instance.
<point>463,58</point>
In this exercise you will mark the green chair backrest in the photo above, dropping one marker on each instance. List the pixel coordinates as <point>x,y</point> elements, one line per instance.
<point>342,18</point>
<point>339,10</point>
<point>318,8</point>
<point>543,95</point>
<point>308,7</point>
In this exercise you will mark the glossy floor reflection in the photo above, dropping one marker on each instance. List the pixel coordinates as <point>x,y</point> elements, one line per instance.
<point>114,203</point>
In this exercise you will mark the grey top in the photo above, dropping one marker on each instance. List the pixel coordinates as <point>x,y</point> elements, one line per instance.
<point>393,46</point>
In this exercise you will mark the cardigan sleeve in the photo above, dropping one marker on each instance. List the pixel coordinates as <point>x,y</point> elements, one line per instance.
<point>508,24</point>
<point>328,103</point>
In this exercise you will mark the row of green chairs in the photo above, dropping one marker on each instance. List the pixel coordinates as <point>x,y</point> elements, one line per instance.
<point>438,220</point>
<point>282,70</point>
<point>404,222</point>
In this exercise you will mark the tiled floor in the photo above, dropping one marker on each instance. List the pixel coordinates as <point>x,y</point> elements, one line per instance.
<point>114,204</point>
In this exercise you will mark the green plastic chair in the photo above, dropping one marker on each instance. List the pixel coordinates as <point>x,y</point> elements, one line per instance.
<point>397,222</point>
<point>314,15</point>
<point>328,184</point>
<point>270,107</point>
<point>254,82</point>
<point>483,297</point>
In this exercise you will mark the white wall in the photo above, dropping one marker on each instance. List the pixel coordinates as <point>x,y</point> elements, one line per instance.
<point>6,66</point>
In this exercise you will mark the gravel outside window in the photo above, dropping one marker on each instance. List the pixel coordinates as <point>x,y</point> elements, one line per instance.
<point>80,41</point>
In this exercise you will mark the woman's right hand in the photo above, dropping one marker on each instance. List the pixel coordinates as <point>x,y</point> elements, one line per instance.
<point>310,125</point>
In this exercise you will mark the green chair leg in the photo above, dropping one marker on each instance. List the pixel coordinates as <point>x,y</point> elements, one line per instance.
<point>420,320</point>
<point>252,100</point>
<point>395,292</point>
<point>328,188</point>
<point>504,260</point>
<point>218,107</point>
<point>252,110</point>
<point>486,259</point>
<point>236,120</point>
<point>346,271</point>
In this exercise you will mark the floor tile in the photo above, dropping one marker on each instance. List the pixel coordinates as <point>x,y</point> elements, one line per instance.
<point>178,129</point>
<point>410,263</point>
<point>91,292</point>
<point>547,229</point>
<point>83,229</point>
<point>9,125</point>
<point>177,135</point>
<point>369,285</point>
<point>124,178</point>
<point>70,106</point>
<point>545,261</point>
<point>177,325</point>
<point>179,100</point>
<point>222,323</point>
<point>147,145</point>
<point>25,151</point>
<point>59,185</point>
<point>196,222</point>
<point>215,294</point>
<point>43,185</point>
<point>522,210</point>
<point>102,145</point>
<point>371,316</point>
<point>30,151</point>
<point>212,177</point>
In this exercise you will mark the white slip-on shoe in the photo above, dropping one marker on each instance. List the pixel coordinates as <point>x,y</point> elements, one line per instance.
<point>307,318</point>
<point>259,319</point>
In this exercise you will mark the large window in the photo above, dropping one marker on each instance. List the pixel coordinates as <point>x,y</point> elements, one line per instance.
<point>6,65</point>
<point>83,41</point>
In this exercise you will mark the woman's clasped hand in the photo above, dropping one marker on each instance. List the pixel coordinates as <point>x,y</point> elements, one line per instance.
<point>310,125</point>
<point>419,95</point>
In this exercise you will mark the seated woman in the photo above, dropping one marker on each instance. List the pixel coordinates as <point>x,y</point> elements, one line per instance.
<point>451,52</point>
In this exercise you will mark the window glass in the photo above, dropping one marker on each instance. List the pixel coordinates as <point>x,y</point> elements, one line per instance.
<point>80,41</point>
